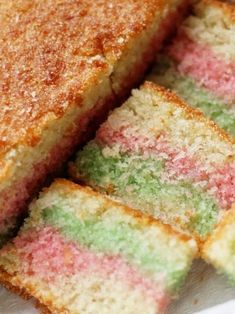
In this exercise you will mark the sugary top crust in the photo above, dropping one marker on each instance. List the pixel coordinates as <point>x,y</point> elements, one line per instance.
<point>191,113</point>
<point>52,50</point>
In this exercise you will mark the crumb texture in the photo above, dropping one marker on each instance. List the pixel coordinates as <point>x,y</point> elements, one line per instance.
<point>159,155</point>
<point>199,63</point>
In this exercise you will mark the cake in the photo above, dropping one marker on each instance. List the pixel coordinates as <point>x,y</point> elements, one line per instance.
<point>80,252</point>
<point>199,64</point>
<point>63,65</point>
<point>159,155</point>
<point>219,249</point>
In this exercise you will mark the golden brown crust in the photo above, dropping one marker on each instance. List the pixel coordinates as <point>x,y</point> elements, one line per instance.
<point>51,51</point>
<point>141,217</point>
<point>227,8</point>
<point>6,281</point>
<point>192,113</point>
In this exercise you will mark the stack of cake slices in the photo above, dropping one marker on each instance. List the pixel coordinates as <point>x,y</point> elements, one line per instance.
<point>63,65</point>
<point>159,175</point>
<point>199,65</point>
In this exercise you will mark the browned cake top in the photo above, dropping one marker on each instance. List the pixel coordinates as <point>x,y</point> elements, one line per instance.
<point>50,50</point>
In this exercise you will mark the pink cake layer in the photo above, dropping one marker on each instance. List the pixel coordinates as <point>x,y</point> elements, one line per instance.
<point>180,164</point>
<point>45,254</point>
<point>208,68</point>
<point>16,202</point>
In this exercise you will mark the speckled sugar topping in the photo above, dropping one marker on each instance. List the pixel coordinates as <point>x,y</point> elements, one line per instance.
<point>39,55</point>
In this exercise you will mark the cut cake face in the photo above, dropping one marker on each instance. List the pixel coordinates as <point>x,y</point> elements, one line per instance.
<point>157,154</point>
<point>199,64</point>
<point>80,252</point>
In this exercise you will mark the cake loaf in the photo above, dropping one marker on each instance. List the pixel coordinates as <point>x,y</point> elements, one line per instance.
<point>159,155</point>
<point>80,252</point>
<point>63,64</point>
<point>199,65</point>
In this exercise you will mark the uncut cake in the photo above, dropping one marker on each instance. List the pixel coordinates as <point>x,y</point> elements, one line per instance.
<point>63,65</point>
<point>199,65</point>
<point>80,252</point>
<point>219,249</point>
<point>159,155</point>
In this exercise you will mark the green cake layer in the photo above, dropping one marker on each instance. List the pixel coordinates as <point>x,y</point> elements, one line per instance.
<point>103,236</point>
<point>140,182</point>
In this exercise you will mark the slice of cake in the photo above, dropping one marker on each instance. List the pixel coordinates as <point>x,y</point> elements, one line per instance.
<point>80,252</point>
<point>63,64</point>
<point>165,158</point>
<point>199,65</point>
<point>219,250</point>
